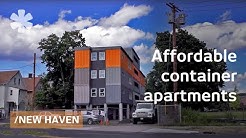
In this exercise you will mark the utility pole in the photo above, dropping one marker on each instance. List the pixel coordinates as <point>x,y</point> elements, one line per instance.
<point>176,22</point>
<point>34,85</point>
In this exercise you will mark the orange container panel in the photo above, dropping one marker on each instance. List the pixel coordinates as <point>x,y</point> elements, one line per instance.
<point>82,59</point>
<point>142,80</point>
<point>135,75</point>
<point>113,58</point>
<point>124,62</point>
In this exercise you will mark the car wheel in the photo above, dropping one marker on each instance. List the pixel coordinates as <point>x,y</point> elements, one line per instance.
<point>89,121</point>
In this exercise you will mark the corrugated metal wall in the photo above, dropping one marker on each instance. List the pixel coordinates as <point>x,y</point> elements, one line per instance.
<point>81,94</point>
<point>113,76</point>
<point>113,94</point>
<point>82,86</point>
<point>82,76</point>
<point>113,85</point>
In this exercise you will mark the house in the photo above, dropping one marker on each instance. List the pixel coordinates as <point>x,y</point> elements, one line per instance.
<point>12,91</point>
<point>29,87</point>
<point>108,78</point>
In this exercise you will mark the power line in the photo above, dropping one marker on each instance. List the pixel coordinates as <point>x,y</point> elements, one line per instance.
<point>18,67</point>
<point>38,67</point>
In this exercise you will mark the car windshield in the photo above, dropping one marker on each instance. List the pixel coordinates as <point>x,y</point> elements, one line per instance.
<point>144,106</point>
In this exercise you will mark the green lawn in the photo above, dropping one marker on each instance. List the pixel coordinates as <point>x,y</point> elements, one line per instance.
<point>196,118</point>
<point>235,114</point>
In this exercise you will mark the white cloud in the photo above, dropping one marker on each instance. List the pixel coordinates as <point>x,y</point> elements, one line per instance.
<point>144,52</point>
<point>125,14</point>
<point>225,16</point>
<point>241,76</point>
<point>20,46</point>
<point>226,35</point>
<point>63,13</point>
<point>240,81</point>
<point>113,36</point>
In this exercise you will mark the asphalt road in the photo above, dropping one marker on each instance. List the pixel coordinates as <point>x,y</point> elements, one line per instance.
<point>22,133</point>
<point>6,132</point>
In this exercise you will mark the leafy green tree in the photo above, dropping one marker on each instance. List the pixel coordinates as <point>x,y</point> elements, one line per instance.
<point>186,43</point>
<point>43,98</point>
<point>236,104</point>
<point>58,55</point>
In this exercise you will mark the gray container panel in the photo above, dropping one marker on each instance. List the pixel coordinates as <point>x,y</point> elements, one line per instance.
<point>125,79</point>
<point>125,95</point>
<point>113,94</point>
<point>82,76</point>
<point>81,94</point>
<point>113,76</point>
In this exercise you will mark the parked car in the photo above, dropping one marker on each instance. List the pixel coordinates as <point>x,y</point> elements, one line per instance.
<point>145,112</point>
<point>90,118</point>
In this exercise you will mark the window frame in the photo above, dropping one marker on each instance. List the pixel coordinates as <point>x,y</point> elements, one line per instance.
<point>93,75</point>
<point>11,92</point>
<point>104,92</point>
<point>100,72</point>
<point>100,56</point>
<point>93,92</point>
<point>130,95</point>
<point>136,84</point>
<point>92,57</point>
<point>14,81</point>
<point>130,81</point>
<point>136,72</point>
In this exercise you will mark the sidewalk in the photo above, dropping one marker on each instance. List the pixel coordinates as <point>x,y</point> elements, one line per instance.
<point>132,129</point>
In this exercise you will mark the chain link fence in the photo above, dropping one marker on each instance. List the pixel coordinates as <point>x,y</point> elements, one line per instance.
<point>168,114</point>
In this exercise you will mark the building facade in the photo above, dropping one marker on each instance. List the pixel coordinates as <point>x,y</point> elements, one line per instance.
<point>108,78</point>
<point>29,87</point>
<point>12,92</point>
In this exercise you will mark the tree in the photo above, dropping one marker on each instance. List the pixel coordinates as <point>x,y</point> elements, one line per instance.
<point>43,97</point>
<point>58,55</point>
<point>186,43</point>
<point>236,104</point>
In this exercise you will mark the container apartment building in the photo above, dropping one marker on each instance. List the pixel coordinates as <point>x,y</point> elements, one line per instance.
<point>108,78</point>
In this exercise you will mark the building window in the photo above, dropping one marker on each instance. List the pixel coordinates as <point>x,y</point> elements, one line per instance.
<point>130,81</point>
<point>15,81</point>
<point>19,81</point>
<point>11,92</point>
<point>93,74</point>
<point>93,56</point>
<point>101,92</point>
<point>137,97</point>
<point>130,95</point>
<point>101,73</point>
<point>136,72</point>
<point>129,65</point>
<point>93,92</point>
<point>101,55</point>
<point>136,84</point>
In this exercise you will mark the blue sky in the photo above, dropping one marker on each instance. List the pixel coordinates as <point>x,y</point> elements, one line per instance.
<point>135,22</point>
